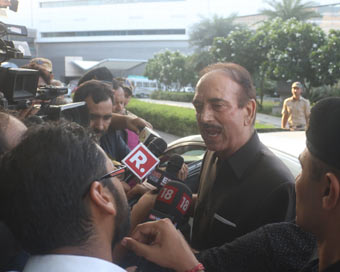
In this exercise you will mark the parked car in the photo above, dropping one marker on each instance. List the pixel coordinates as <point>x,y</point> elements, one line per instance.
<point>187,89</point>
<point>287,145</point>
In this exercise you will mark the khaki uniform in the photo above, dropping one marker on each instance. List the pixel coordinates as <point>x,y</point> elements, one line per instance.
<point>298,112</point>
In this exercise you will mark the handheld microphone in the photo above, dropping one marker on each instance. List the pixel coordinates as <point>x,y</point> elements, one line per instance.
<point>175,164</point>
<point>157,146</point>
<point>173,202</point>
<point>159,178</point>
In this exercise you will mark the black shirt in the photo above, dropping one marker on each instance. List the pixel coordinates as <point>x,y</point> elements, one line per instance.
<point>113,145</point>
<point>314,267</point>
<point>248,190</point>
<point>279,247</point>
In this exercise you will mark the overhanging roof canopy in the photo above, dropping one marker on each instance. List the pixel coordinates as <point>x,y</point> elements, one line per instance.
<point>111,64</point>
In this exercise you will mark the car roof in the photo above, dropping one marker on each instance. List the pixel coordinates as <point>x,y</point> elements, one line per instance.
<point>290,142</point>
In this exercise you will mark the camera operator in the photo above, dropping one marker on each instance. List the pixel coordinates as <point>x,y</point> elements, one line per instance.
<point>99,100</point>
<point>45,76</point>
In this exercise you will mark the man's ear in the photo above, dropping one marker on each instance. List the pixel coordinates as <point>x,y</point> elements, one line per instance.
<point>250,110</point>
<point>102,198</point>
<point>331,191</point>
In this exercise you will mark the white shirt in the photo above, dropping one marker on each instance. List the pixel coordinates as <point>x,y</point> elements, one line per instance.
<point>69,263</point>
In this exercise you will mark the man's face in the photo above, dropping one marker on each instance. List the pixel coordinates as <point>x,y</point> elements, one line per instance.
<point>100,114</point>
<point>127,99</point>
<point>221,122</point>
<point>41,82</point>
<point>296,91</point>
<point>122,219</point>
<point>119,101</point>
<point>308,196</point>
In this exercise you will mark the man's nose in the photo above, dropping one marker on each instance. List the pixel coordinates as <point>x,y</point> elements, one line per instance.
<point>99,124</point>
<point>120,107</point>
<point>206,114</point>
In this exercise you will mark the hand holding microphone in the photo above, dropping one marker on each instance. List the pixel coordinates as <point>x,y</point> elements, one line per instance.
<point>160,243</point>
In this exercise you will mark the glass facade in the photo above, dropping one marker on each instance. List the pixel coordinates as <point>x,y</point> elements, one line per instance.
<point>114,33</point>
<point>72,3</point>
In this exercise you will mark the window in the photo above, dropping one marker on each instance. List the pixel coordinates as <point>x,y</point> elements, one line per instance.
<point>60,4</point>
<point>114,33</point>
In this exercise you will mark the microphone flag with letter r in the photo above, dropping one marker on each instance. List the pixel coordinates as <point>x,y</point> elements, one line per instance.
<point>141,161</point>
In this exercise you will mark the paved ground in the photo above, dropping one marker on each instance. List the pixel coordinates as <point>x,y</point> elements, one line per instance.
<point>167,137</point>
<point>260,117</point>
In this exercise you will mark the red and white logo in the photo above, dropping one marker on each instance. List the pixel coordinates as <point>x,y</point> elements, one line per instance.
<point>140,161</point>
<point>167,194</point>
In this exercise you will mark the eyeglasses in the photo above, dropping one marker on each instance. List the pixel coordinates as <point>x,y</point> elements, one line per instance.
<point>114,173</point>
<point>121,170</point>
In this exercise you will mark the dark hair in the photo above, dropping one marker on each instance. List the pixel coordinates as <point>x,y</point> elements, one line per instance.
<point>43,73</point>
<point>101,73</point>
<point>99,91</point>
<point>238,74</point>
<point>116,84</point>
<point>126,84</point>
<point>42,185</point>
<point>319,168</point>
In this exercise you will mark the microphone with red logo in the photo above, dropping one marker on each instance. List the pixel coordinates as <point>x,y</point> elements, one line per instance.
<point>159,178</point>
<point>173,202</point>
<point>157,146</point>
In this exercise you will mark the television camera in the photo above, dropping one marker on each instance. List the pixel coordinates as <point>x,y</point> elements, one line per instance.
<point>19,87</point>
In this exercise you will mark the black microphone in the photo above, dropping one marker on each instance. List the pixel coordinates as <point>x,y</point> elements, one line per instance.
<point>175,164</point>
<point>159,178</point>
<point>157,146</point>
<point>173,202</point>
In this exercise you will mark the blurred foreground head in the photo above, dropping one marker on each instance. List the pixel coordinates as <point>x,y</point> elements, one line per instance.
<point>52,196</point>
<point>318,187</point>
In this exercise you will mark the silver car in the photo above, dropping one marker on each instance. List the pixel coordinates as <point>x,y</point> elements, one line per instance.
<point>287,145</point>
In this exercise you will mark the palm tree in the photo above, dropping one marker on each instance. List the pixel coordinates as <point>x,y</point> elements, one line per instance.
<point>202,34</point>
<point>287,9</point>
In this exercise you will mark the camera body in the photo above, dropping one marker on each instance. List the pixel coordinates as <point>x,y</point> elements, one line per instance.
<point>19,87</point>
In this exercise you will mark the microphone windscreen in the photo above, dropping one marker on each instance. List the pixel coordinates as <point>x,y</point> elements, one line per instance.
<point>157,146</point>
<point>174,164</point>
<point>174,199</point>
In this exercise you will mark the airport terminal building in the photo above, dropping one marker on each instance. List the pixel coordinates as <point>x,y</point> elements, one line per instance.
<point>78,35</point>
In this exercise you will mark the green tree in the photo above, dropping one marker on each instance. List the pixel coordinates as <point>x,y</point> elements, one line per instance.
<point>325,60</point>
<point>286,9</point>
<point>246,48</point>
<point>169,68</point>
<point>291,46</point>
<point>202,34</point>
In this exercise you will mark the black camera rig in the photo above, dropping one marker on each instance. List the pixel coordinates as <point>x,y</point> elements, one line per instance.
<point>19,87</point>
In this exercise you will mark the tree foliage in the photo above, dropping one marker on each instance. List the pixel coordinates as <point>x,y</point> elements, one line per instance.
<point>169,68</point>
<point>278,50</point>
<point>286,51</point>
<point>287,9</point>
<point>202,34</point>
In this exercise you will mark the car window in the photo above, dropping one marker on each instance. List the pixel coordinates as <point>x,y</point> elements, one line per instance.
<point>189,152</point>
